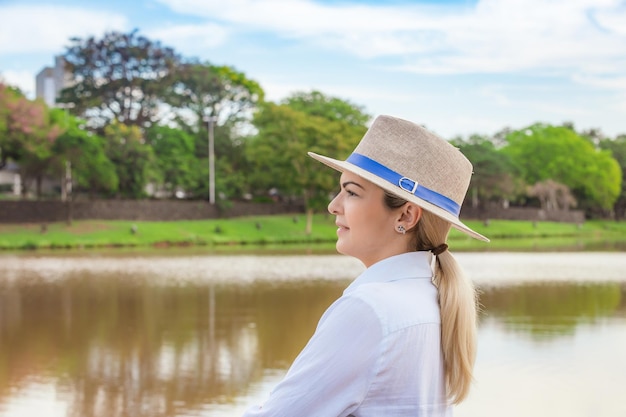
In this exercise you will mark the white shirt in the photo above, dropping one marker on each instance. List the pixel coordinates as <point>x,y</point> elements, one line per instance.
<point>376,350</point>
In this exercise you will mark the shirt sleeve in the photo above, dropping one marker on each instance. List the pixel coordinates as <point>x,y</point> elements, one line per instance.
<point>331,376</point>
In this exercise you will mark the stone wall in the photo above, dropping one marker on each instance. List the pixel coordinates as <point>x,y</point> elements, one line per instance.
<point>523,213</point>
<point>147,210</point>
<point>163,210</point>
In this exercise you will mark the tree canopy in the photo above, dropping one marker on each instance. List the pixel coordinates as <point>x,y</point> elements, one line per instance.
<point>201,93</point>
<point>133,159</point>
<point>91,168</point>
<point>495,176</point>
<point>10,146</point>
<point>543,152</point>
<point>286,132</point>
<point>333,109</point>
<point>617,147</point>
<point>175,160</point>
<point>197,91</point>
<point>28,131</point>
<point>121,77</point>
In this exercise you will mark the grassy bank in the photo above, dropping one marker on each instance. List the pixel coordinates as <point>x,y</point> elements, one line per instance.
<point>286,231</point>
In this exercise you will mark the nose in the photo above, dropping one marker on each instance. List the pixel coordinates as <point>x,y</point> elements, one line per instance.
<point>333,206</point>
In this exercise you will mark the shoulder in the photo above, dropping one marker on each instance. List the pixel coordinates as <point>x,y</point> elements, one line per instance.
<point>399,304</point>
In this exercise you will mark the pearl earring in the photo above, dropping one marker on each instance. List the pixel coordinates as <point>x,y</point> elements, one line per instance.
<point>401,229</point>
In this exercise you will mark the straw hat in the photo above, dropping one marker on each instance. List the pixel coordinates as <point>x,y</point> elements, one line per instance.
<point>409,161</point>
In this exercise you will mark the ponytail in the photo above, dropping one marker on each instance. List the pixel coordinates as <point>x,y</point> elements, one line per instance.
<point>457,302</point>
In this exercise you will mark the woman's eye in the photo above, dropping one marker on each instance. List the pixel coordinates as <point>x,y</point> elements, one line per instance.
<point>350,193</point>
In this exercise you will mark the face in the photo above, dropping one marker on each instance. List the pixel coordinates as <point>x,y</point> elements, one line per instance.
<point>366,226</point>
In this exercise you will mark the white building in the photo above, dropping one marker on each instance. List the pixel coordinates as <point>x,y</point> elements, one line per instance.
<point>10,180</point>
<point>51,80</point>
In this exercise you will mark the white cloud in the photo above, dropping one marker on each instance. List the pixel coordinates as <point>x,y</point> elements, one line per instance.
<point>609,83</point>
<point>478,125</point>
<point>613,19</point>
<point>190,38</point>
<point>497,95</point>
<point>22,79</point>
<point>47,28</point>
<point>615,85</point>
<point>276,90</point>
<point>362,30</point>
<point>554,109</point>
<point>493,36</point>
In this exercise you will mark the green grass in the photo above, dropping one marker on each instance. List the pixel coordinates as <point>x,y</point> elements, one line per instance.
<point>527,235</point>
<point>89,234</point>
<point>289,231</point>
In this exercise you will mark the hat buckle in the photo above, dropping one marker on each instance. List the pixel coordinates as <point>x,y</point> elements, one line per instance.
<point>405,182</point>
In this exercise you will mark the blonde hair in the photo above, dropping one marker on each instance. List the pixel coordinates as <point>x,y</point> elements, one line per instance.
<point>457,302</point>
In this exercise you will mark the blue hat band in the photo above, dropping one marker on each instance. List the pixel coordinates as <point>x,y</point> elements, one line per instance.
<point>406,184</point>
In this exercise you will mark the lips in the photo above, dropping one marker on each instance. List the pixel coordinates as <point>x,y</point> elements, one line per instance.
<point>341,227</point>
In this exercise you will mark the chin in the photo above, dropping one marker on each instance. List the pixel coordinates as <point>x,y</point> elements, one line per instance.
<point>343,250</point>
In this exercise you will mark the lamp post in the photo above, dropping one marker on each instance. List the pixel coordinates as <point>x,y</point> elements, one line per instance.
<point>66,185</point>
<point>66,188</point>
<point>211,121</point>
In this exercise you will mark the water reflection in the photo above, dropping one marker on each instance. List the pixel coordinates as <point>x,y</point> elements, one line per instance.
<point>120,347</point>
<point>116,342</point>
<point>546,310</point>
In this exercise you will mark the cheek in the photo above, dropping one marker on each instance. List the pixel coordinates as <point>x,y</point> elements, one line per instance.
<point>371,222</point>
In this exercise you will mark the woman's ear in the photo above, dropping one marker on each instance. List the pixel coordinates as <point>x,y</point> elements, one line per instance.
<point>410,214</point>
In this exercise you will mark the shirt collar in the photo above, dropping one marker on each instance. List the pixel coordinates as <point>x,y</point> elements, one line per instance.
<point>404,266</point>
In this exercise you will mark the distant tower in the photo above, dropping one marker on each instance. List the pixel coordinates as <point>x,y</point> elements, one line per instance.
<point>51,80</point>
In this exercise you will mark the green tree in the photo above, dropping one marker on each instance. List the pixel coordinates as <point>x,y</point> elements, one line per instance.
<point>278,153</point>
<point>617,147</point>
<point>121,77</point>
<point>545,152</point>
<point>175,159</point>
<point>334,109</point>
<point>28,131</point>
<point>197,91</point>
<point>9,144</point>
<point>495,177</point>
<point>91,170</point>
<point>132,157</point>
<point>202,91</point>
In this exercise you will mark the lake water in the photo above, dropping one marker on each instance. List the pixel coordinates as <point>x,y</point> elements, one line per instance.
<point>210,335</point>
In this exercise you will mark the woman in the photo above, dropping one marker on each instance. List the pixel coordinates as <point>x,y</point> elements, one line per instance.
<point>401,340</point>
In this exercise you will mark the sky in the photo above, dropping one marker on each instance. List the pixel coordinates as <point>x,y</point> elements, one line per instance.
<point>459,67</point>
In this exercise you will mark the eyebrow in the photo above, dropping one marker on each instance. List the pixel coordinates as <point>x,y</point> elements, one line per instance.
<point>352,182</point>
